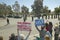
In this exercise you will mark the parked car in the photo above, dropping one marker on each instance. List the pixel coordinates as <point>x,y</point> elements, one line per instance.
<point>2,17</point>
<point>17,16</point>
<point>10,16</point>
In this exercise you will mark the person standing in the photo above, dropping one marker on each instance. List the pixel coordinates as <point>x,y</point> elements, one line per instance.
<point>59,37</point>
<point>48,33</point>
<point>8,21</point>
<point>47,27</point>
<point>12,37</point>
<point>50,27</point>
<point>42,32</point>
<point>56,29</point>
<point>32,17</point>
<point>25,18</point>
<point>22,36</point>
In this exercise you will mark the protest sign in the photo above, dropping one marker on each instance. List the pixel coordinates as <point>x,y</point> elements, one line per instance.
<point>24,26</point>
<point>39,22</point>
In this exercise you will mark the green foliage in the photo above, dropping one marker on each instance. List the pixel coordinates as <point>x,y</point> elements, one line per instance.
<point>20,13</point>
<point>37,7</point>
<point>5,9</point>
<point>46,10</point>
<point>57,10</point>
<point>25,10</point>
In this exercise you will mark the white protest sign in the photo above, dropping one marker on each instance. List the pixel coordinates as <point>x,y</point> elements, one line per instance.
<point>24,26</point>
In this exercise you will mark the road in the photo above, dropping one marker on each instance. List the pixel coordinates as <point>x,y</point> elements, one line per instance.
<point>6,30</point>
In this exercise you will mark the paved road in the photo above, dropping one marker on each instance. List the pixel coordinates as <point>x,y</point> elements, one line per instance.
<point>6,30</point>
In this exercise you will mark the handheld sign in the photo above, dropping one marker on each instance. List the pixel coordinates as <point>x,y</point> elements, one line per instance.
<point>39,22</point>
<point>24,26</point>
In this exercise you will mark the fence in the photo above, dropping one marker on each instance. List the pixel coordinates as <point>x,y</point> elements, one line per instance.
<point>51,17</point>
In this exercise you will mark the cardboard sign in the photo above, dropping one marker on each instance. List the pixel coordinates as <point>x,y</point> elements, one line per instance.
<point>24,26</point>
<point>39,22</point>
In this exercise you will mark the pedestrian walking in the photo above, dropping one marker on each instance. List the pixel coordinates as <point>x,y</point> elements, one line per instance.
<point>32,17</point>
<point>7,21</point>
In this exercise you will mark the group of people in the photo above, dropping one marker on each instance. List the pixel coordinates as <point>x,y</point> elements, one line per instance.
<point>46,31</point>
<point>57,32</point>
<point>19,37</point>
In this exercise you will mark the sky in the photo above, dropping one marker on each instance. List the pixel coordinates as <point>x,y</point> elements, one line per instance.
<point>50,3</point>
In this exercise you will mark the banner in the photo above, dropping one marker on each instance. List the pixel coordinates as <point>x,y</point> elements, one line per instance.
<point>39,22</point>
<point>24,26</point>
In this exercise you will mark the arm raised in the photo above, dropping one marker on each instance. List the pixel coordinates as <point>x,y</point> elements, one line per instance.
<point>37,28</point>
<point>28,35</point>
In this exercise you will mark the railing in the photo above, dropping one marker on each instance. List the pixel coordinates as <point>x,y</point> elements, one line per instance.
<point>51,17</point>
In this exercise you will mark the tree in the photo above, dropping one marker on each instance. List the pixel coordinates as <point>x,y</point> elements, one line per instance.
<point>32,12</point>
<point>1,9</point>
<point>25,10</point>
<point>16,7</point>
<point>57,10</point>
<point>9,10</point>
<point>38,7</point>
<point>5,9</point>
<point>46,10</point>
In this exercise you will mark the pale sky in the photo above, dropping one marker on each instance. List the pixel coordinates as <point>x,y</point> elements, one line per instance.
<point>50,3</point>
